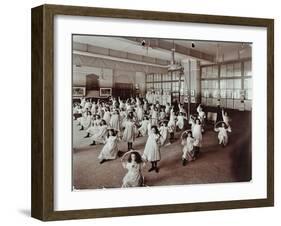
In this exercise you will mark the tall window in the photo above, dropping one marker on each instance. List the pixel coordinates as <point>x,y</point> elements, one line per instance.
<point>228,81</point>
<point>170,82</point>
<point>248,80</point>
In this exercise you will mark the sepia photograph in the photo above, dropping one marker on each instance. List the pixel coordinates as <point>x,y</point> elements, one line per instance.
<point>160,112</point>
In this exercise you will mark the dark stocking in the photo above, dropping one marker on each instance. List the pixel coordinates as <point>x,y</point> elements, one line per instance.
<point>155,167</point>
<point>152,167</point>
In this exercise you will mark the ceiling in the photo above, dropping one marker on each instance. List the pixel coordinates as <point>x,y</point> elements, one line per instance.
<point>125,45</point>
<point>212,47</point>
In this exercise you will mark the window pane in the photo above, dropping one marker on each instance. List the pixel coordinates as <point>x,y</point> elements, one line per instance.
<point>222,84</point>
<point>159,77</point>
<point>229,93</point>
<point>176,76</point>
<point>150,78</point>
<point>237,69</point>
<point>229,83</point>
<point>209,72</point>
<point>205,93</point>
<point>203,84</point>
<point>229,70</point>
<point>247,83</point>
<point>248,94</point>
<point>215,71</point>
<point>175,87</point>
<point>204,72</point>
<point>236,94</point>
<point>247,68</point>
<point>215,84</point>
<point>223,70</point>
<point>237,83</point>
<point>182,88</point>
<point>149,85</point>
<point>223,93</point>
<point>215,93</point>
<point>156,77</point>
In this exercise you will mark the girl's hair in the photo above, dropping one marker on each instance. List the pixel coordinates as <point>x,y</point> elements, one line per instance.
<point>138,157</point>
<point>156,129</point>
<point>165,123</point>
<point>103,122</point>
<point>129,116</point>
<point>98,116</point>
<point>145,117</point>
<point>117,111</point>
<point>198,120</point>
<point>185,135</point>
<point>113,132</point>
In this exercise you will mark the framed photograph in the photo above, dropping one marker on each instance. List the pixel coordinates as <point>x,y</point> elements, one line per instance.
<point>88,154</point>
<point>105,92</point>
<point>78,91</point>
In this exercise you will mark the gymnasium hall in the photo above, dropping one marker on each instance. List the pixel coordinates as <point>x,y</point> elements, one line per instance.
<point>158,112</point>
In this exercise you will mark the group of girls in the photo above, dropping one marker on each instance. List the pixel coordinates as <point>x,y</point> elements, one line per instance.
<point>192,139</point>
<point>117,120</point>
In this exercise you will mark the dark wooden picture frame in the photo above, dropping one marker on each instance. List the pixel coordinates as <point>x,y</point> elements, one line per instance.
<point>42,203</point>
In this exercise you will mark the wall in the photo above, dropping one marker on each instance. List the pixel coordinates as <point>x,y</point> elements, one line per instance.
<point>79,75</point>
<point>110,76</point>
<point>15,147</point>
<point>122,76</point>
<point>245,53</point>
<point>113,72</point>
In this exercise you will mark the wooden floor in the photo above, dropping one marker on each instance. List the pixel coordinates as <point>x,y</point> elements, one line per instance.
<point>216,164</point>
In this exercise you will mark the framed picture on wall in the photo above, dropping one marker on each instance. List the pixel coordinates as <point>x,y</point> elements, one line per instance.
<point>105,92</point>
<point>71,155</point>
<point>78,91</point>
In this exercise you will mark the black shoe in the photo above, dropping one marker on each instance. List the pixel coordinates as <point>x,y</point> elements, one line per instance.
<point>120,153</point>
<point>184,162</point>
<point>82,128</point>
<point>151,169</point>
<point>156,169</point>
<point>94,143</point>
<point>88,135</point>
<point>102,161</point>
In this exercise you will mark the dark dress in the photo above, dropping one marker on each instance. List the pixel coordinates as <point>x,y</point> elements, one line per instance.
<point>219,114</point>
<point>176,107</point>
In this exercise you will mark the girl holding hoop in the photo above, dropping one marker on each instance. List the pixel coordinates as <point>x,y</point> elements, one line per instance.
<point>133,177</point>
<point>196,129</point>
<point>188,152</point>
<point>222,132</point>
